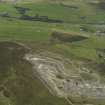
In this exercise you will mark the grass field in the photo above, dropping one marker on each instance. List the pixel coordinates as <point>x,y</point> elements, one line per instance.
<point>15,29</point>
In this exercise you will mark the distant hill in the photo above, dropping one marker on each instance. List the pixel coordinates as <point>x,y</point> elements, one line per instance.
<point>21,1</point>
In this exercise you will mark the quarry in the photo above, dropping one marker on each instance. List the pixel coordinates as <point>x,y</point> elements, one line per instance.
<point>52,52</point>
<point>52,73</point>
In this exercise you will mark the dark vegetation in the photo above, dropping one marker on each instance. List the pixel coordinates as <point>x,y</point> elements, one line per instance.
<point>23,16</point>
<point>23,12</point>
<point>40,18</point>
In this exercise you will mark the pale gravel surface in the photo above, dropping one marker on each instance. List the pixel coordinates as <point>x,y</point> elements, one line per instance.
<point>70,85</point>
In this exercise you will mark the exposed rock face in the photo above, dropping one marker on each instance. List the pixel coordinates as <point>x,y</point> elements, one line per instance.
<point>52,73</point>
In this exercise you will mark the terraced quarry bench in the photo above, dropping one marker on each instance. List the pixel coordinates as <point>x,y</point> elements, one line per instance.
<point>52,73</point>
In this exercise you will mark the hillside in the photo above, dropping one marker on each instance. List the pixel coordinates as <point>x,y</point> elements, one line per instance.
<point>64,38</point>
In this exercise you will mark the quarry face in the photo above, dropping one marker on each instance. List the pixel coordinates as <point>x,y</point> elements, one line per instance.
<point>63,77</point>
<point>53,74</point>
